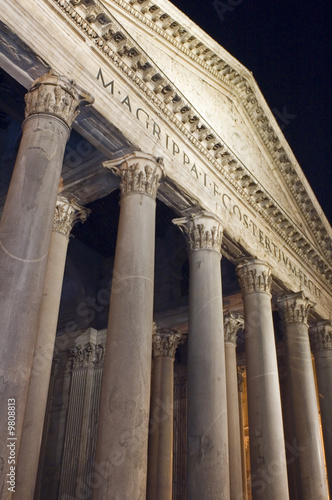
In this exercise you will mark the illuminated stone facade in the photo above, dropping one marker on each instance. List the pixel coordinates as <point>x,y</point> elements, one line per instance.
<point>155,149</point>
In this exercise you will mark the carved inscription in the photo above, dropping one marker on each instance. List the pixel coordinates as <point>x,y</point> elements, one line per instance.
<point>212,187</point>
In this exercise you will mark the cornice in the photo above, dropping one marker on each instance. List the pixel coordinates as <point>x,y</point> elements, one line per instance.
<point>114,43</point>
<point>179,36</point>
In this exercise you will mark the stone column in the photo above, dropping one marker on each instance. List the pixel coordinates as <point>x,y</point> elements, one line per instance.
<point>67,212</point>
<point>208,465</point>
<point>321,345</point>
<point>241,373</point>
<point>292,450</point>
<point>122,443</point>
<point>25,231</point>
<point>267,445</point>
<point>180,435</point>
<point>311,479</point>
<point>232,324</point>
<point>160,464</point>
<point>86,363</point>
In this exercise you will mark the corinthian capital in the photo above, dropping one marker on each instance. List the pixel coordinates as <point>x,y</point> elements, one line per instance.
<point>140,173</point>
<point>66,213</point>
<point>203,231</point>
<point>294,307</point>
<point>55,95</point>
<point>233,322</point>
<point>165,342</point>
<point>87,356</point>
<point>254,276</point>
<point>321,336</point>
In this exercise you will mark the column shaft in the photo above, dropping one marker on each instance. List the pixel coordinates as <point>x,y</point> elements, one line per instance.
<point>267,445</point>
<point>25,232</point>
<point>232,323</point>
<point>321,344</point>
<point>160,467</point>
<point>121,455</point>
<point>27,466</point>
<point>208,463</point>
<point>241,377</point>
<point>311,479</point>
<point>292,451</point>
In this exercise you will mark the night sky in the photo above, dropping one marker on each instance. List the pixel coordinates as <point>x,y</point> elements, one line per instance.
<point>287,45</point>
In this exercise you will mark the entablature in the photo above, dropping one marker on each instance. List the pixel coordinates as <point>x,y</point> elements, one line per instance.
<point>164,21</point>
<point>116,44</point>
<point>197,135</point>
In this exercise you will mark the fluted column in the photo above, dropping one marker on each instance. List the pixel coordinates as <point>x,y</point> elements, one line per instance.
<point>122,443</point>
<point>160,463</point>
<point>232,323</point>
<point>25,231</point>
<point>208,465</point>
<point>86,360</point>
<point>321,345</point>
<point>267,445</point>
<point>311,480</point>
<point>67,212</point>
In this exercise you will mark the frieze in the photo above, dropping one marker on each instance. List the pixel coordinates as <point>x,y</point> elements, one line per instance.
<point>212,62</point>
<point>321,336</point>
<point>294,307</point>
<point>56,95</point>
<point>233,322</point>
<point>214,189</point>
<point>255,194</point>
<point>254,276</point>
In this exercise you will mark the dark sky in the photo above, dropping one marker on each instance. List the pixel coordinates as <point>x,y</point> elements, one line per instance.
<point>287,45</point>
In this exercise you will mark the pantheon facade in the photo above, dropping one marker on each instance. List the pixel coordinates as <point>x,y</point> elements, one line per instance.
<point>166,270</point>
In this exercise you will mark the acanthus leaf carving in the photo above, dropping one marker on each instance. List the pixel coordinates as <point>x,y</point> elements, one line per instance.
<point>139,173</point>
<point>203,231</point>
<point>294,307</point>
<point>233,322</point>
<point>254,276</point>
<point>321,336</point>
<point>165,342</point>
<point>56,95</point>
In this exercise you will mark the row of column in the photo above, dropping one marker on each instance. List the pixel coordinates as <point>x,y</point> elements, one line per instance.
<point>122,444</point>
<point>52,105</point>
